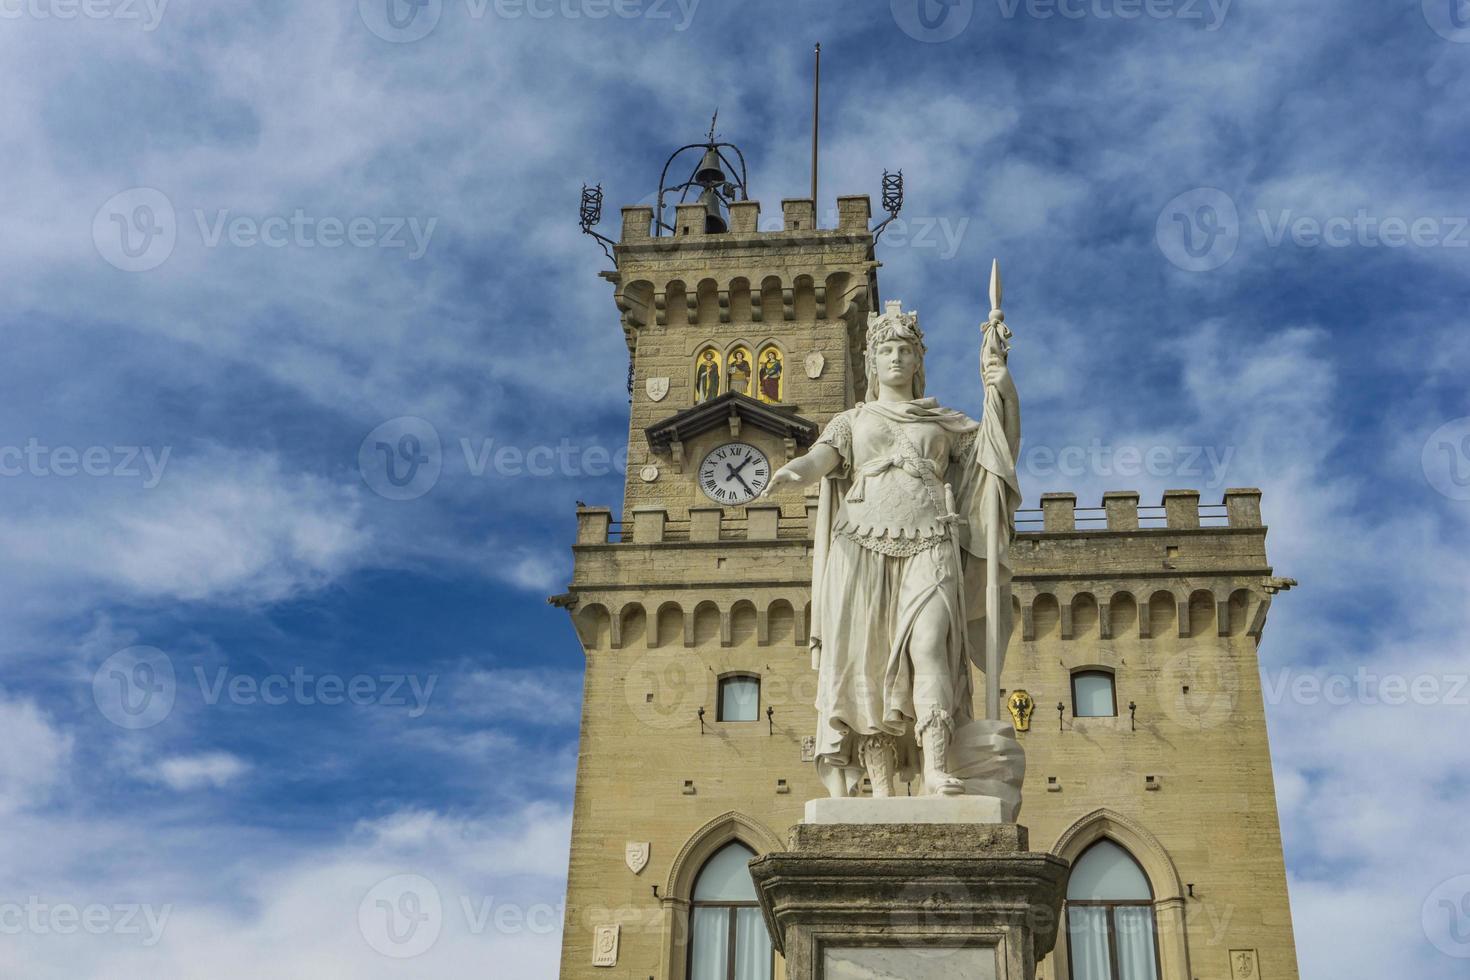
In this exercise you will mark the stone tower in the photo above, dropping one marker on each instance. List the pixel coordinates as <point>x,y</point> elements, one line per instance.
<point>1133,658</point>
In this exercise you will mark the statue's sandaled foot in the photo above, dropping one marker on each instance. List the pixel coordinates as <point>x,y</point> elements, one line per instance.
<point>879,756</point>
<point>935,735</point>
<point>946,785</point>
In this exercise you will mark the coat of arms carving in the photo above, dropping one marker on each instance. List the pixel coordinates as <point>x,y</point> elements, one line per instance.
<point>605,946</point>
<point>815,365</point>
<point>636,854</point>
<point>658,388</point>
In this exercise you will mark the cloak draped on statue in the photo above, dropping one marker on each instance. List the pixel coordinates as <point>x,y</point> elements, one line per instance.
<point>922,504</point>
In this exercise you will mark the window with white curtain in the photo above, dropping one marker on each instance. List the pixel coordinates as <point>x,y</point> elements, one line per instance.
<point>740,698</point>
<point>1093,695</point>
<point>1111,933</point>
<point>728,940</point>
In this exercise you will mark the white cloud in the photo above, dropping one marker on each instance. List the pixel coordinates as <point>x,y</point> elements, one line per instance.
<point>36,755</point>
<point>496,878</point>
<point>219,525</point>
<point>186,772</point>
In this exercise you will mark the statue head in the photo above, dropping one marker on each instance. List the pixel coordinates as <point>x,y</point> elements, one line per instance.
<point>892,326</point>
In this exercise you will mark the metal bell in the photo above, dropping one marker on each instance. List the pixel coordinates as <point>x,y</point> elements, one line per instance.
<point>714,220</point>
<point>711,171</point>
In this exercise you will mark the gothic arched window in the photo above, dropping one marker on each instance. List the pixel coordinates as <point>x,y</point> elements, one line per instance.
<point>1111,933</point>
<point>728,939</point>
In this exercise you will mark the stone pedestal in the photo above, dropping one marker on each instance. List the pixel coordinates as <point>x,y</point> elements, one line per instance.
<point>935,901</point>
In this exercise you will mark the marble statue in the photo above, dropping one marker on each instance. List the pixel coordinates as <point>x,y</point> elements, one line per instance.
<point>911,581</point>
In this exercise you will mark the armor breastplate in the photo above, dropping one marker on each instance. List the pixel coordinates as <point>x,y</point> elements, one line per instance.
<point>891,505</point>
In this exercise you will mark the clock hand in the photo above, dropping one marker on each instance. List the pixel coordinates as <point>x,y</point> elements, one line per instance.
<point>744,463</point>
<point>735,474</point>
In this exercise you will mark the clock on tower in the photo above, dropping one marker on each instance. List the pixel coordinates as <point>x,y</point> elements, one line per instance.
<point>735,473</point>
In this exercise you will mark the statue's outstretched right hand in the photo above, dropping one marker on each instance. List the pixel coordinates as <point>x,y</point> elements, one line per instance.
<point>785,475</point>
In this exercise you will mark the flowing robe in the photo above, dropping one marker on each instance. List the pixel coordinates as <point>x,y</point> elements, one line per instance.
<point>902,523</point>
<point>707,380</point>
<point>740,376</point>
<point>771,380</point>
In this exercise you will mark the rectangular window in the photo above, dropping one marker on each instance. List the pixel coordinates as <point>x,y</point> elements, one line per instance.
<point>740,698</point>
<point>1093,695</point>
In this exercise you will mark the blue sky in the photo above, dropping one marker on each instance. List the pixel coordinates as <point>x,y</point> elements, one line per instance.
<point>333,226</point>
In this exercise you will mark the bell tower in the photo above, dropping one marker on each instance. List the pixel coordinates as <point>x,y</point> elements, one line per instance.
<point>741,334</point>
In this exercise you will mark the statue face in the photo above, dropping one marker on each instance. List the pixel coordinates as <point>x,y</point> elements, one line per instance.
<point>897,362</point>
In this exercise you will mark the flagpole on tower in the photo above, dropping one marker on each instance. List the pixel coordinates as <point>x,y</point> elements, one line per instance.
<point>816,128</point>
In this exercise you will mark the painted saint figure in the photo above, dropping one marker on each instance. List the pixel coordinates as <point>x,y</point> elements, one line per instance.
<point>770,377</point>
<point>739,372</point>
<point>707,377</point>
<point>916,515</point>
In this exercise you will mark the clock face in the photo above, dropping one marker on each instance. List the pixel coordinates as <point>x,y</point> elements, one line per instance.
<point>734,474</point>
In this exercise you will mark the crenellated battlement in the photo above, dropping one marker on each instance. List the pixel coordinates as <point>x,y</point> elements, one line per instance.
<point>1120,513</point>
<point>799,214</point>
<point>1178,568</point>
